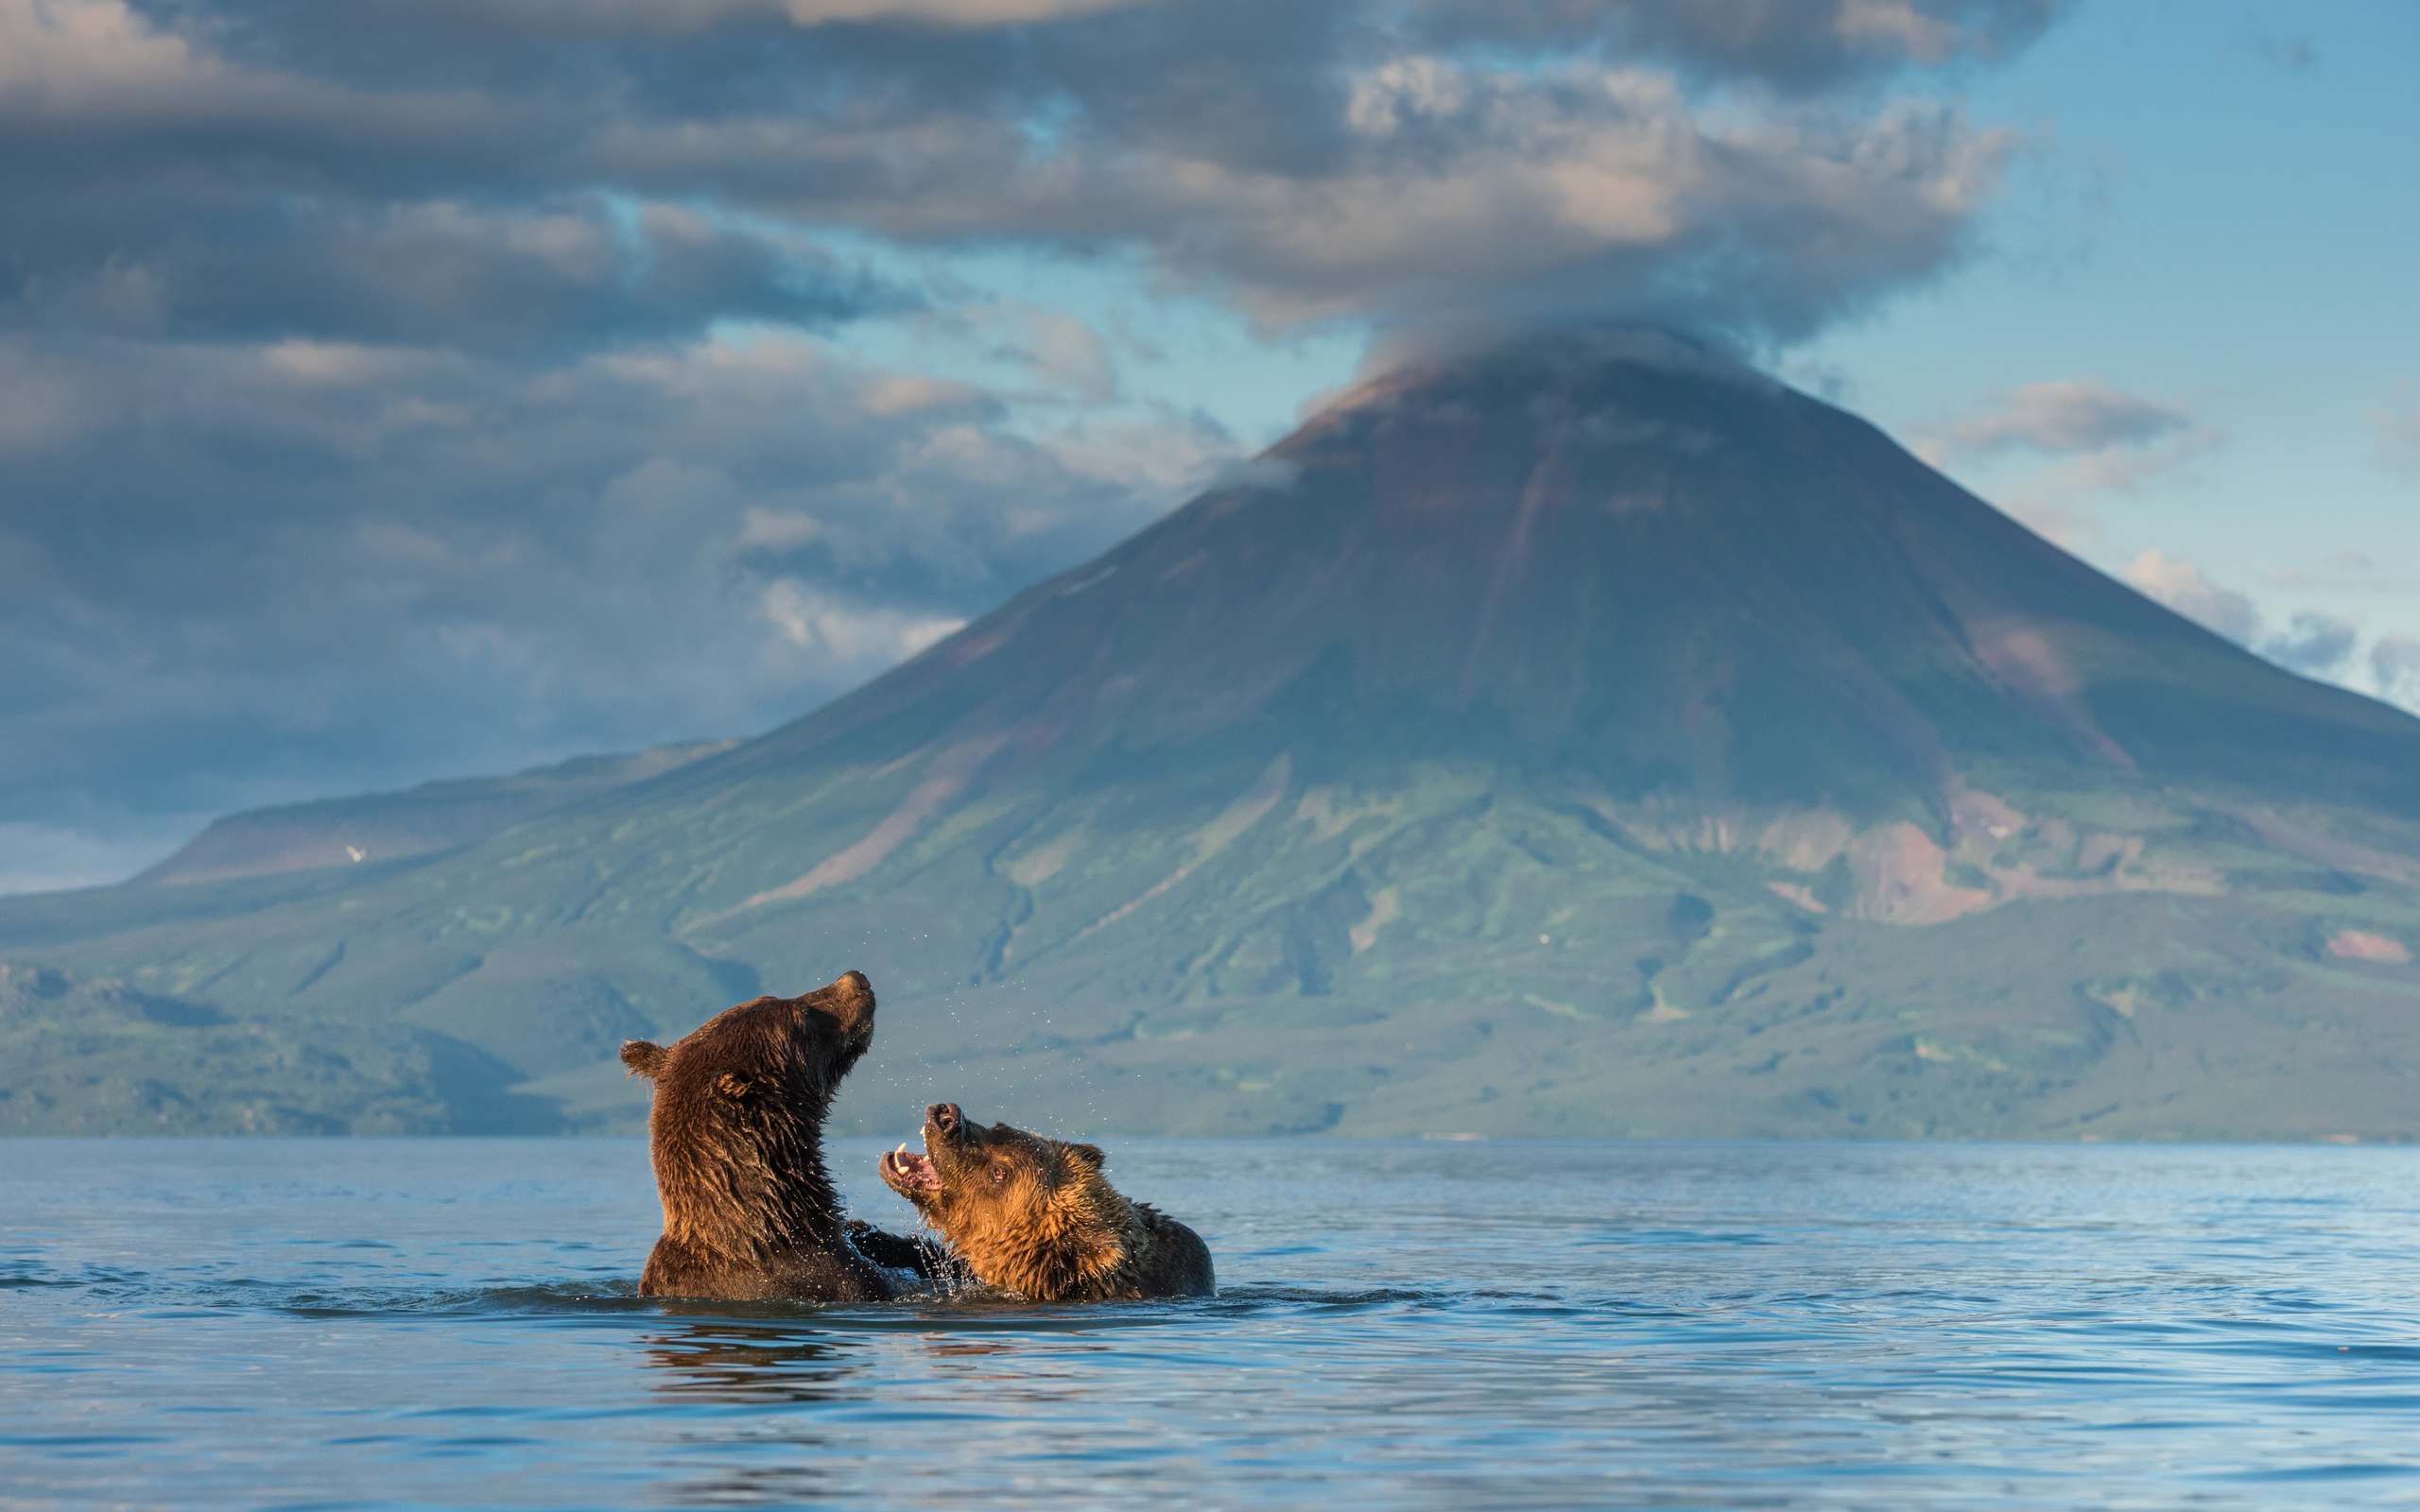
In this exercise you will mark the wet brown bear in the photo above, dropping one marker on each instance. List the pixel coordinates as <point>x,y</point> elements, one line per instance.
<point>1034,1216</point>
<point>737,1136</point>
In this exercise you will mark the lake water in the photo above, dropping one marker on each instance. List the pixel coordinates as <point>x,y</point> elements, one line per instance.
<point>297,1323</point>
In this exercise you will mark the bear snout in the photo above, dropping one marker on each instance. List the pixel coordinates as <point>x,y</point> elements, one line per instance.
<point>943,1117</point>
<point>849,1001</point>
<point>844,1009</point>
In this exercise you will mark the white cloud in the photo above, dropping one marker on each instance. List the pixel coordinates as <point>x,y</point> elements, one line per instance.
<point>1067,354</point>
<point>855,637</point>
<point>2395,665</point>
<point>2084,437</point>
<point>1579,191</point>
<point>2182,586</point>
<point>778,529</point>
<point>918,393</point>
<point>2313,643</point>
<point>2057,522</point>
<point>2064,418</point>
<point>56,54</point>
<point>2123,468</point>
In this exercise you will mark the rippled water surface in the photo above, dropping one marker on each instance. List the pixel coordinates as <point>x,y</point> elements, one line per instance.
<point>374,1324</point>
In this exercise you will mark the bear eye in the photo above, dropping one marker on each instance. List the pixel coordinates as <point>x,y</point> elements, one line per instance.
<point>999,1174</point>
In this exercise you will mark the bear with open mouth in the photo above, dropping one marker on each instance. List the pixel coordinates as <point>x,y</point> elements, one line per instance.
<point>1034,1217</point>
<point>737,1133</point>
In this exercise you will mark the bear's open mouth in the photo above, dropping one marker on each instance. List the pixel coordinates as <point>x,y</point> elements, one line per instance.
<point>911,1172</point>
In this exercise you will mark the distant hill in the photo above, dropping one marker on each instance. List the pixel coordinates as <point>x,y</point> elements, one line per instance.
<point>1595,738</point>
<point>391,826</point>
<point>101,1058</point>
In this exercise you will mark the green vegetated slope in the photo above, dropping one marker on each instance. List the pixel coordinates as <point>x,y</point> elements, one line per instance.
<point>1592,739</point>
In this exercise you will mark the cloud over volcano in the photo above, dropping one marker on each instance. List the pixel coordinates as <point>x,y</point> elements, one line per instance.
<point>479,174</point>
<point>402,388</point>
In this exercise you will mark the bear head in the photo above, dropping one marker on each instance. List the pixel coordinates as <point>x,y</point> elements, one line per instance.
<point>1027,1212</point>
<point>737,1123</point>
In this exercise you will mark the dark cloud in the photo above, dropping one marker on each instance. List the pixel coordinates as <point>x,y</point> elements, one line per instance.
<point>391,390</point>
<point>229,568</point>
<point>443,274</point>
<point>430,171</point>
<point>1799,47</point>
<point>2292,54</point>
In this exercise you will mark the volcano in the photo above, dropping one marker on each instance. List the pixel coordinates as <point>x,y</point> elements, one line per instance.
<point>1592,737</point>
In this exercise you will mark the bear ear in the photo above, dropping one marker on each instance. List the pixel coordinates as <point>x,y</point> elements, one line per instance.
<point>733,1086</point>
<point>645,1059</point>
<point>1087,1156</point>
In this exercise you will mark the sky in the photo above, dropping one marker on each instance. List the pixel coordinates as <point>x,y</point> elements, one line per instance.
<point>392,391</point>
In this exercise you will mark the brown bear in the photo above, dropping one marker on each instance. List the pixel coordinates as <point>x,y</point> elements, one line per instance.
<point>1034,1216</point>
<point>737,1137</point>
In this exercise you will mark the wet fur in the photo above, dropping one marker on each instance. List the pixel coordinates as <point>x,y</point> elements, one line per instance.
<point>1054,1231</point>
<point>737,1133</point>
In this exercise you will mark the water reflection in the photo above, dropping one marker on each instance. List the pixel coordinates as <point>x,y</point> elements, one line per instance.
<point>726,1373</point>
<point>1013,1375</point>
<point>945,1348</point>
<point>761,1486</point>
<point>743,1363</point>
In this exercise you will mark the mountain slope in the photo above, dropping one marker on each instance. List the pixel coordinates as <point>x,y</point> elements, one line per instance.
<point>385,826</point>
<point>1592,738</point>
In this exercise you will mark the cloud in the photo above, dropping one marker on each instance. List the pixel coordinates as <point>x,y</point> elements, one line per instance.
<point>2316,645</point>
<point>2081,436</point>
<point>482,173</point>
<point>2395,423</point>
<point>2061,524</point>
<point>1062,357</point>
<point>2182,587</point>
<point>462,563</point>
<point>1800,47</point>
<point>2290,54</point>
<point>398,389</point>
<point>946,12</point>
<point>2312,644</point>
<point>2064,419</point>
<point>2395,665</point>
<point>1589,192</point>
<point>853,636</point>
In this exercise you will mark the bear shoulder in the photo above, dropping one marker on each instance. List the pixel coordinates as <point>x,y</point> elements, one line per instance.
<point>1173,1260</point>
